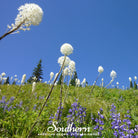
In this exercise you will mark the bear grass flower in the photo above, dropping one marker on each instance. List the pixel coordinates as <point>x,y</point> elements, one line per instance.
<point>113,74</point>
<point>100,69</point>
<point>66,71</point>
<point>130,79</point>
<point>29,14</point>
<point>3,74</point>
<point>51,75</point>
<point>23,79</point>
<point>33,86</point>
<point>71,67</point>
<point>66,49</point>
<point>135,78</point>
<point>61,59</point>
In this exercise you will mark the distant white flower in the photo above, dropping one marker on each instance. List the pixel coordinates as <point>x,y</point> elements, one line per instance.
<point>11,78</point>
<point>15,76</point>
<point>135,78</point>
<point>61,59</point>
<point>78,83</point>
<point>45,82</point>
<point>3,74</point>
<point>40,80</point>
<point>34,78</point>
<point>23,79</point>
<point>33,86</point>
<point>117,83</point>
<point>113,74</point>
<point>102,82</point>
<point>29,14</point>
<point>4,79</point>
<point>66,49</point>
<point>15,79</point>
<point>51,75</point>
<point>72,67</point>
<point>100,69</point>
<point>130,79</point>
<point>83,82</point>
<point>66,71</point>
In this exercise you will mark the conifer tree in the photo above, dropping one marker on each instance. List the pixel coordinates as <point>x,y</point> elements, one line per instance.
<point>73,83</point>
<point>37,72</point>
<point>135,85</point>
<point>7,80</point>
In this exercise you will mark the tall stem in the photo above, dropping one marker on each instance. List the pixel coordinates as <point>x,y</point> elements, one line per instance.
<point>94,83</point>
<point>46,99</point>
<point>11,31</point>
<point>109,83</point>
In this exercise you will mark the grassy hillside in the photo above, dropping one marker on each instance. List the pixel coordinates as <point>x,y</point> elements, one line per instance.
<point>19,108</point>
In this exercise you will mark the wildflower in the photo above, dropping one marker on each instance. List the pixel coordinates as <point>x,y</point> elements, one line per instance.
<point>15,76</point>
<point>130,79</point>
<point>23,79</point>
<point>4,78</point>
<point>71,67</point>
<point>99,123</point>
<point>113,74</point>
<point>33,86</point>
<point>100,69</point>
<point>135,78</point>
<point>29,14</point>
<point>83,82</point>
<point>61,59</point>
<point>117,83</point>
<point>77,82</point>
<point>51,75</point>
<point>66,49</point>
<point>77,114</point>
<point>66,71</point>
<point>3,74</point>
<point>102,82</point>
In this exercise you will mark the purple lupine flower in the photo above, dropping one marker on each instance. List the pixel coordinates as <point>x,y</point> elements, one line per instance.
<point>34,108</point>
<point>121,128</point>
<point>76,117</point>
<point>56,115</point>
<point>6,105</point>
<point>99,123</point>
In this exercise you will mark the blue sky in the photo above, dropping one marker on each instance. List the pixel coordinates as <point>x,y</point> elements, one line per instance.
<point>102,32</point>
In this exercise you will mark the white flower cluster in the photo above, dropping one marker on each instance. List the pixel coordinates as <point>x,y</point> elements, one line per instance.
<point>83,82</point>
<point>66,49</point>
<point>66,71</point>
<point>61,59</point>
<point>29,14</point>
<point>51,75</point>
<point>113,74</point>
<point>77,81</point>
<point>23,79</point>
<point>100,69</point>
<point>135,77</point>
<point>130,79</point>
<point>71,67</point>
<point>33,86</point>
